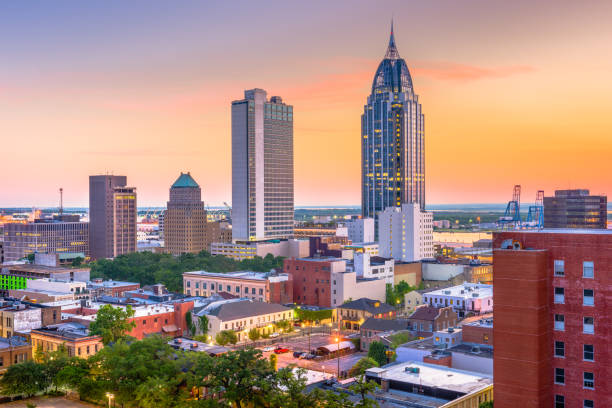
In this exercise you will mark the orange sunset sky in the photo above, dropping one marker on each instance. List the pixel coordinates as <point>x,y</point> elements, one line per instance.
<point>513,93</point>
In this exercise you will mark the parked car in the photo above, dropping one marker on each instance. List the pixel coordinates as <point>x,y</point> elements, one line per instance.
<point>281,350</point>
<point>297,354</point>
<point>309,356</point>
<point>274,335</point>
<point>269,348</point>
<point>304,356</point>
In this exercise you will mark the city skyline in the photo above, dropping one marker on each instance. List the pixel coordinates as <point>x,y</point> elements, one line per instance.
<point>525,104</point>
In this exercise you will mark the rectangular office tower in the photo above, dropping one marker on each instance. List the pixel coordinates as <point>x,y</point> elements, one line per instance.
<point>112,216</point>
<point>405,233</point>
<point>575,209</point>
<point>262,167</point>
<point>552,337</point>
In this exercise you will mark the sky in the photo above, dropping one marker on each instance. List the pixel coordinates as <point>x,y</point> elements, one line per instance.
<point>513,93</point>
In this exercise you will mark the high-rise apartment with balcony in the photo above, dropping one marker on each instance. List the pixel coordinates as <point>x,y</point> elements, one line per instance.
<point>112,216</point>
<point>392,139</point>
<point>552,336</point>
<point>262,167</point>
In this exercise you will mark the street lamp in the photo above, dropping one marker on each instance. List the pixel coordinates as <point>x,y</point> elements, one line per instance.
<point>110,398</point>
<point>338,358</point>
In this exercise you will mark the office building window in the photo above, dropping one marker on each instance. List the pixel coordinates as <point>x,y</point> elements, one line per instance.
<point>589,380</point>
<point>588,325</point>
<point>559,295</point>
<point>588,352</point>
<point>587,269</point>
<point>559,376</point>
<point>559,267</point>
<point>559,401</point>
<point>197,284</point>
<point>588,404</point>
<point>559,322</point>
<point>559,349</point>
<point>587,297</point>
<point>237,289</point>
<point>229,288</point>
<point>188,284</point>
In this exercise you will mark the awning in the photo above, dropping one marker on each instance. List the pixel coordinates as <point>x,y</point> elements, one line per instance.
<point>170,328</point>
<point>343,345</point>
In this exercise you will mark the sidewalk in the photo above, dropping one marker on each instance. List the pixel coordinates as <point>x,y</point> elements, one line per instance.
<point>49,402</point>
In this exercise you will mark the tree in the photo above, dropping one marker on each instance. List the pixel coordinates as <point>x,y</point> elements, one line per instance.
<point>53,362</point>
<point>156,392</point>
<point>27,378</point>
<point>203,324</point>
<point>378,352</point>
<point>112,323</point>
<point>77,261</point>
<point>486,404</point>
<point>362,365</point>
<point>225,337</point>
<point>274,361</point>
<point>254,334</point>
<point>364,388</point>
<point>289,390</point>
<point>245,378</point>
<point>189,321</point>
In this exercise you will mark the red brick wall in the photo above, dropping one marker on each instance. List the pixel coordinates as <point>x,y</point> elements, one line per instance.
<point>311,284</point>
<point>519,292</point>
<point>118,291</point>
<point>282,292</point>
<point>477,334</point>
<point>446,361</point>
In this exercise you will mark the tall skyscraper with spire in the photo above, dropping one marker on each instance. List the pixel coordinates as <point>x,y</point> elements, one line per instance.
<point>392,139</point>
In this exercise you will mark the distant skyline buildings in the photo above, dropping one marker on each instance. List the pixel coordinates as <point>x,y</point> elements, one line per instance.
<point>112,216</point>
<point>392,139</point>
<point>262,167</point>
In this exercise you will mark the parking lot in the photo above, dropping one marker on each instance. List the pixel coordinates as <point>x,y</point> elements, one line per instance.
<point>317,340</point>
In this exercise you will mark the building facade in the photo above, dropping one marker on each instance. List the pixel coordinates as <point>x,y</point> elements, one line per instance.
<point>112,216</point>
<point>262,167</point>
<point>260,286</point>
<point>248,250</point>
<point>466,298</point>
<point>405,233</point>
<point>74,337</point>
<point>552,322</point>
<point>351,315</point>
<point>575,209</point>
<point>426,319</point>
<point>361,230</point>
<point>46,236</point>
<point>13,350</point>
<point>185,219</point>
<point>392,139</point>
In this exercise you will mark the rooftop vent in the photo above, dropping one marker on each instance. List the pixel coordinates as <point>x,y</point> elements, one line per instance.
<point>474,294</point>
<point>414,370</point>
<point>447,292</point>
<point>475,349</point>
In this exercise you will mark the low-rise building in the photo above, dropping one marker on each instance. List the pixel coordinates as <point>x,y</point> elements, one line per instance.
<point>13,350</point>
<point>248,250</point>
<point>242,315</point>
<point>376,267</point>
<point>478,332</point>
<point>466,298</point>
<point>427,319</point>
<point>18,317</point>
<point>409,272</point>
<point>351,315</point>
<point>74,337</point>
<point>16,276</point>
<point>99,287</point>
<point>261,286</point>
<point>326,282</point>
<point>372,329</point>
<point>417,384</point>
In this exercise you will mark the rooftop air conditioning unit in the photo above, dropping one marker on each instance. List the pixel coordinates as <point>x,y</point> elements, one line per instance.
<point>475,349</point>
<point>447,292</point>
<point>474,294</point>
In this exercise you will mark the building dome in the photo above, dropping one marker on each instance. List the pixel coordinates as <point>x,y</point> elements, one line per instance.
<point>392,74</point>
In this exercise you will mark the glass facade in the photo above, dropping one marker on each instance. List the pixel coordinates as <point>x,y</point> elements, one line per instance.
<point>392,139</point>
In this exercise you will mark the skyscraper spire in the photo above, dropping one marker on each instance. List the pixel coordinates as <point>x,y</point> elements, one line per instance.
<point>392,52</point>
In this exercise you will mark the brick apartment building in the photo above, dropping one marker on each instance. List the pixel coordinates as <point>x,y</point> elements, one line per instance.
<point>552,332</point>
<point>426,319</point>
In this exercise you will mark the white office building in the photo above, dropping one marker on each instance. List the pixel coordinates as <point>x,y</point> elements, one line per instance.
<point>467,298</point>
<point>361,230</point>
<point>406,233</point>
<point>376,267</point>
<point>262,167</point>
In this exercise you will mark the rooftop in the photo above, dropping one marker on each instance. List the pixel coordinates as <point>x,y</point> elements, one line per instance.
<point>184,181</point>
<point>245,308</point>
<point>425,312</point>
<point>578,231</point>
<point>193,345</point>
<point>465,291</point>
<point>15,341</point>
<point>384,324</point>
<point>368,305</point>
<point>430,375</point>
<point>233,275</point>
<point>73,331</point>
<point>110,284</point>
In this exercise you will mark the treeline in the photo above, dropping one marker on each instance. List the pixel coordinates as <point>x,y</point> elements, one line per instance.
<point>148,268</point>
<point>151,374</point>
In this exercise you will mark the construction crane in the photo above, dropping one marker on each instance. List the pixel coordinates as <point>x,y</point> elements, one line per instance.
<point>229,209</point>
<point>512,216</point>
<point>535,216</point>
